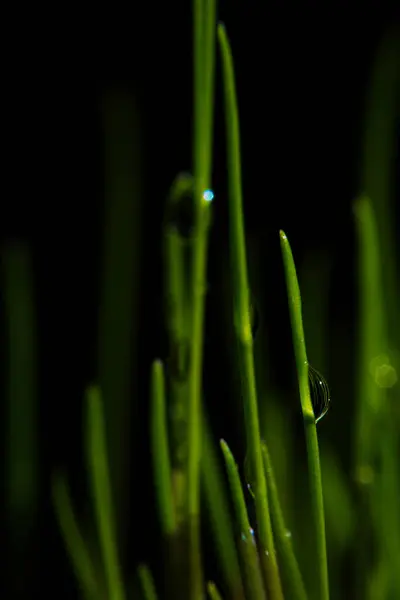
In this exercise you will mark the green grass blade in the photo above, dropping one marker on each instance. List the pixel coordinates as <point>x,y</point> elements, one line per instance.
<point>288,563</point>
<point>160,451</point>
<point>242,317</point>
<point>75,544</point>
<point>147,583</point>
<point>213,591</point>
<point>203,53</point>
<point>294,300</point>
<point>218,508</point>
<point>247,548</point>
<point>102,498</point>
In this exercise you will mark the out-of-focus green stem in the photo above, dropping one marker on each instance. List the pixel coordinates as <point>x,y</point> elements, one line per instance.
<point>101,492</point>
<point>160,451</point>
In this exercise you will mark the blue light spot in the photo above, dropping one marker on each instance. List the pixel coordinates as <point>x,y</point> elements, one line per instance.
<point>208,195</point>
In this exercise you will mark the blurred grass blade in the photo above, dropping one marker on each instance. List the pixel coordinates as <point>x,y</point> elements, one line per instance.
<point>218,508</point>
<point>294,300</point>
<point>243,319</point>
<point>382,113</point>
<point>73,539</point>
<point>147,583</point>
<point>118,314</point>
<point>177,314</point>
<point>288,563</point>
<point>376,412</point>
<point>372,336</point>
<point>22,469</point>
<point>101,492</point>
<point>213,591</point>
<point>253,581</point>
<point>160,451</point>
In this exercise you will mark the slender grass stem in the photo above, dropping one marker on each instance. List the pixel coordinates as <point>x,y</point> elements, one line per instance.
<point>160,451</point>
<point>218,508</point>
<point>74,541</point>
<point>204,32</point>
<point>283,541</point>
<point>242,317</point>
<point>213,591</point>
<point>296,319</point>
<point>250,560</point>
<point>147,583</point>
<point>101,490</point>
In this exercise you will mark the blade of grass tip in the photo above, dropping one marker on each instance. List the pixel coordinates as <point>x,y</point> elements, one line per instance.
<point>294,300</point>
<point>147,582</point>
<point>101,492</point>
<point>283,540</point>
<point>75,544</point>
<point>218,508</point>
<point>242,318</point>
<point>203,125</point>
<point>213,591</point>
<point>160,451</point>
<point>253,580</point>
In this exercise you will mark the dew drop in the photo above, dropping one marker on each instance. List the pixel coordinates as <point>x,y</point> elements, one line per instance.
<point>208,195</point>
<point>248,474</point>
<point>181,206</point>
<point>319,391</point>
<point>288,533</point>
<point>248,536</point>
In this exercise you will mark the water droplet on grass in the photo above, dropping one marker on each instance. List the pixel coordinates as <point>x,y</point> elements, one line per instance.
<point>319,390</point>
<point>181,206</point>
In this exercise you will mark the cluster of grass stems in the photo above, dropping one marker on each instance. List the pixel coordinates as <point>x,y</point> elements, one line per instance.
<point>261,563</point>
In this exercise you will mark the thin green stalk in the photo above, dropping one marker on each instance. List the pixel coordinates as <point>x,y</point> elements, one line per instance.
<point>75,544</point>
<point>218,508</point>
<point>283,541</point>
<point>147,582</point>
<point>101,491</point>
<point>213,591</point>
<point>242,317</point>
<point>160,451</point>
<point>202,159</point>
<point>294,300</point>
<point>248,550</point>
